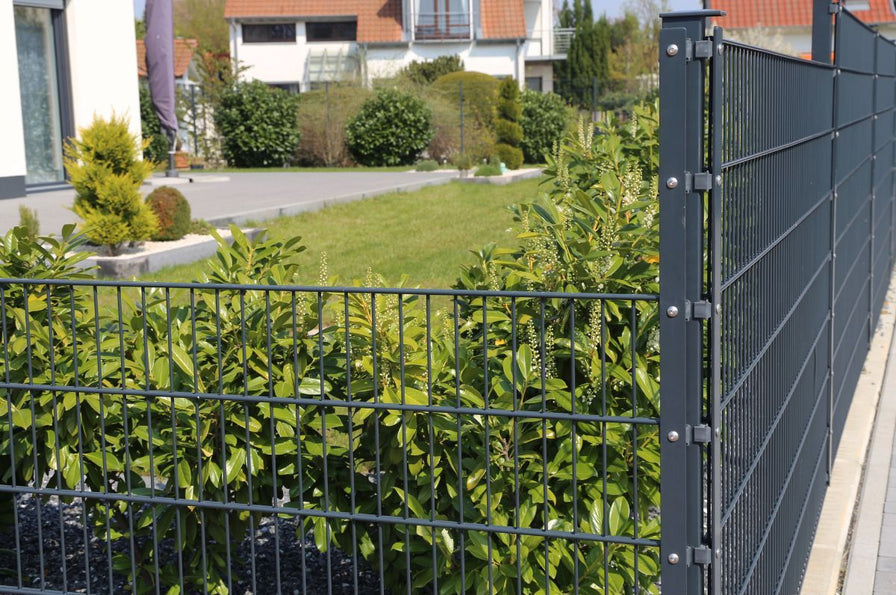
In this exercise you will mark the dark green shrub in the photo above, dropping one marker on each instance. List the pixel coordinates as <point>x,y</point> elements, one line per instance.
<point>463,161</point>
<point>155,141</point>
<point>545,119</point>
<point>172,211</point>
<point>258,125</point>
<point>323,115</point>
<point>508,131</point>
<point>392,128</point>
<point>480,94</point>
<point>104,168</point>
<point>426,72</point>
<point>428,165</point>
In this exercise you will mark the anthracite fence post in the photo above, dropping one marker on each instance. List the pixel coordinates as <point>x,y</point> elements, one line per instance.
<point>822,30</point>
<point>682,102</point>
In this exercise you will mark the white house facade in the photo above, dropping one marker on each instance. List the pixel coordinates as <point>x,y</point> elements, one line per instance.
<point>298,44</point>
<point>64,62</point>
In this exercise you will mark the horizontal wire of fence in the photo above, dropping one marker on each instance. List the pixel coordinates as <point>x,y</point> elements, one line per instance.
<point>232,438</point>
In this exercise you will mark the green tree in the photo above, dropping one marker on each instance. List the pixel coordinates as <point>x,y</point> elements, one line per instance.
<point>587,61</point>
<point>203,20</point>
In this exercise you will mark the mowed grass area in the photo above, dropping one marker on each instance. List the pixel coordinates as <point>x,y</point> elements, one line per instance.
<point>425,235</point>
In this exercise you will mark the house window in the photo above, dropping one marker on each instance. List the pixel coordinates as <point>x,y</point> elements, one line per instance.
<point>40,94</point>
<point>331,31</point>
<point>270,33</point>
<point>533,83</point>
<point>291,88</point>
<point>442,19</point>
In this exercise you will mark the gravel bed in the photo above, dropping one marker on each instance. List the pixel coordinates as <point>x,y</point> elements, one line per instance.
<point>69,571</point>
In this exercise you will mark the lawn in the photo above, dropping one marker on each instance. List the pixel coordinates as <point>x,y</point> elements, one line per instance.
<point>426,235</point>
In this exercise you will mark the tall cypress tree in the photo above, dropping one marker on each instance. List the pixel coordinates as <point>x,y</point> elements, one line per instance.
<point>587,61</point>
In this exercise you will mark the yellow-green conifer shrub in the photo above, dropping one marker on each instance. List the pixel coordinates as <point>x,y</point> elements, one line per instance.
<point>104,167</point>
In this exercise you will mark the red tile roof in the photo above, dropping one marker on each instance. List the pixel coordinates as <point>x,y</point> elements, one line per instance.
<point>744,14</point>
<point>183,55</point>
<point>378,20</point>
<point>503,19</point>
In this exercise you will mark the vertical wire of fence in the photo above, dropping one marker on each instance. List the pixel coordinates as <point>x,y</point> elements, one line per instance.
<point>794,201</point>
<point>280,439</point>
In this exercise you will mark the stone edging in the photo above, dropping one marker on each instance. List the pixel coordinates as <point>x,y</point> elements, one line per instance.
<point>829,552</point>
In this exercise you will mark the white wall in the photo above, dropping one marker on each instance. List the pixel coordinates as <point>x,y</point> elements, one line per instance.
<point>12,145</point>
<point>270,62</point>
<point>103,59</point>
<point>496,59</point>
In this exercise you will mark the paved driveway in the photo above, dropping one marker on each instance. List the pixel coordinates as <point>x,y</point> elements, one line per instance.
<point>239,197</point>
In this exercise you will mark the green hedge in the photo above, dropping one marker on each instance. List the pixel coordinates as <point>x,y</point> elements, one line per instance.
<point>392,128</point>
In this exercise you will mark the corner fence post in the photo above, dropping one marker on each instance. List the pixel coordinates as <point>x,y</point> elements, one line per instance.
<point>682,163</point>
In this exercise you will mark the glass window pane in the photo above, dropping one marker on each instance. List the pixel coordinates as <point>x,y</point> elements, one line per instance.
<point>39,88</point>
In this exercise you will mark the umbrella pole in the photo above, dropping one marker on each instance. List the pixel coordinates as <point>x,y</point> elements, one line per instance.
<point>171,172</point>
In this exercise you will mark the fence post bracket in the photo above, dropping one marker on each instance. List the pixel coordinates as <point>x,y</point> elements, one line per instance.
<point>701,555</point>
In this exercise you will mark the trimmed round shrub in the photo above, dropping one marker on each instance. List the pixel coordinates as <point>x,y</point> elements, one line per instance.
<point>480,94</point>
<point>258,125</point>
<point>392,128</point>
<point>545,120</point>
<point>173,212</point>
<point>512,157</point>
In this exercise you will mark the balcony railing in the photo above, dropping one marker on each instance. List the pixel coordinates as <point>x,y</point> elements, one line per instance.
<point>435,26</point>
<point>563,39</point>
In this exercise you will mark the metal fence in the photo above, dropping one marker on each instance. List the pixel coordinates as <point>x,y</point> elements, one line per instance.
<point>273,439</point>
<point>777,247</point>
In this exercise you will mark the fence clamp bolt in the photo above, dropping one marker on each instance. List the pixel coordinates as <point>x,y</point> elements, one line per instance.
<point>672,50</point>
<point>672,436</point>
<point>672,311</point>
<point>673,558</point>
<point>672,183</point>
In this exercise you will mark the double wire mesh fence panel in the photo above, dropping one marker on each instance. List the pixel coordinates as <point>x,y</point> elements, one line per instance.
<point>230,438</point>
<point>777,248</point>
<point>798,195</point>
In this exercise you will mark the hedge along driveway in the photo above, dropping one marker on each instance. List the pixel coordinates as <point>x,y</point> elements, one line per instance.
<point>244,196</point>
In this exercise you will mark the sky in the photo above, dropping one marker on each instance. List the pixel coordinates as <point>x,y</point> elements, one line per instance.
<point>612,8</point>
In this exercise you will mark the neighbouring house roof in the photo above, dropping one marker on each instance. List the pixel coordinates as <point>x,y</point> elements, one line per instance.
<point>184,49</point>
<point>747,14</point>
<point>503,19</point>
<point>378,20</point>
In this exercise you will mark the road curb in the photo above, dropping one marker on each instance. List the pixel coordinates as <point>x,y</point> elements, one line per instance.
<point>830,549</point>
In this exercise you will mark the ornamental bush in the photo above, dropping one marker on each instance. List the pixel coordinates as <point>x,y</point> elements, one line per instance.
<point>155,142</point>
<point>392,128</point>
<point>258,125</point>
<point>508,131</point>
<point>172,211</point>
<point>480,94</point>
<point>545,120</point>
<point>105,169</point>
<point>323,115</point>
